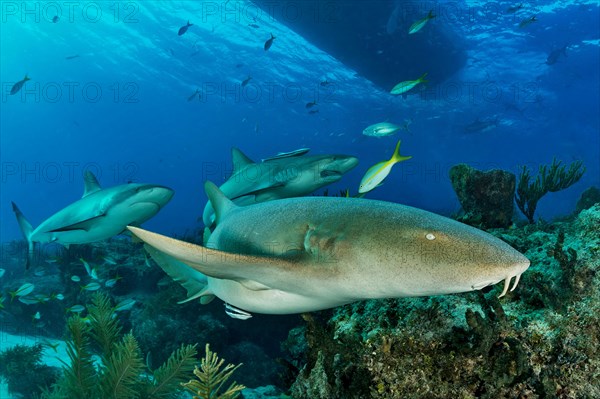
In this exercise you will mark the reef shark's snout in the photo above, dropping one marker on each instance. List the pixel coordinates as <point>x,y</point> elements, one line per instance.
<point>332,169</point>
<point>159,195</point>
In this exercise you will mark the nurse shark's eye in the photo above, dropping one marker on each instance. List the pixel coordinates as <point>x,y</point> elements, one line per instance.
<point>430,236</point>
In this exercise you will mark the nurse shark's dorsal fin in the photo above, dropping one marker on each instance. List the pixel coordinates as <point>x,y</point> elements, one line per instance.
<point>91,184</point>
<point>240,160</point>
<point>220,203</point>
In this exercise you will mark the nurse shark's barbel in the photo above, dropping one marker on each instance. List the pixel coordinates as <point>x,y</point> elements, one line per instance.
<point>98,215</point>
<point>306,254</point>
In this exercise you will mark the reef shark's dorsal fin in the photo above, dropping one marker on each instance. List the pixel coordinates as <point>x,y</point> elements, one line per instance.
<point>220,203</point>
<point>240,160</point>
<point>91,184</point>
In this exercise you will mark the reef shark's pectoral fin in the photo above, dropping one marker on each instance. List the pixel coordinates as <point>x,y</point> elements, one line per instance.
<point>255,272</point>
<point>193,281</point>
<point>85,225</point>
<point>91,184</point>
<point>261,194</point>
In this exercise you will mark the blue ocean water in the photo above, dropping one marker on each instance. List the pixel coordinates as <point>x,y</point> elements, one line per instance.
<point>113,91</point>
<point>120,108</point>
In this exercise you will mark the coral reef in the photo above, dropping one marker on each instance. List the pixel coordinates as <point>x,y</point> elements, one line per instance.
<point>549,179</point>
<point>588,198</point>
<point>543,341</point>
<point>486,197</point>
<point>159,324</point>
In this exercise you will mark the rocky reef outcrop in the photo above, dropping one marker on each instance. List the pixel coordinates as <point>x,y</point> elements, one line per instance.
<point>486,197</point>
<point>541,341</point>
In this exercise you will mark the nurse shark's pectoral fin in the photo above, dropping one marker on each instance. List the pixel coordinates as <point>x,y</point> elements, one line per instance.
<point>254,272</point>
<point>192,280</point>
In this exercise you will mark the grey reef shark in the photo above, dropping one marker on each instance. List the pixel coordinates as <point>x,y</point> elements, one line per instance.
<point>305,254</point>
<point>98,215</point>
<point>285,175</point>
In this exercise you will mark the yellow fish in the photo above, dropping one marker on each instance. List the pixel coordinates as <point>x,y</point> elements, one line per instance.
<point>378,172</point>
<point>405,86</point>
<point>418,25</point>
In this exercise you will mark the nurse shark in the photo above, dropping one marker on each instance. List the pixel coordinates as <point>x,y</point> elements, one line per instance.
<point>305,254</point>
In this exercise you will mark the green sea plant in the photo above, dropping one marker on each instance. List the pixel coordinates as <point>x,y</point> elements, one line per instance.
<point>22,368</point>
<point>553,178</point>
<point>105,363</point>
<point>211,378</point>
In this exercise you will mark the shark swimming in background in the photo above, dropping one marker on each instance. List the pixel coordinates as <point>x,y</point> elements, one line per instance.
<point>305,254</point>
<point>98,215</point>
<point>286,175</point>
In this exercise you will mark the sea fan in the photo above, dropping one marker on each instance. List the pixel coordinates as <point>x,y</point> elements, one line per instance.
<point>123,369</point>
<point>211,379</point>
<point>169,377</point>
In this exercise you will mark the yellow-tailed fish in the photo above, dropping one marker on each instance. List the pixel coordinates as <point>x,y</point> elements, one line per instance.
<point>125,304</point>
<point>418,25</point>
<point>110,261</point>
<point>527,21</point>
<point>76,309</point>
<point>405,86</point>
<point>112,282</point>
<point>28,300</point>
<point>90,287</point>
<point>59,297</point>
<point>23,290</point>
<point>52,345</point>
<point>378,172</point>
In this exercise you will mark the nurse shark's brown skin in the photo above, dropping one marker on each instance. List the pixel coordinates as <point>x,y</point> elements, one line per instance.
<point>306,254</point>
